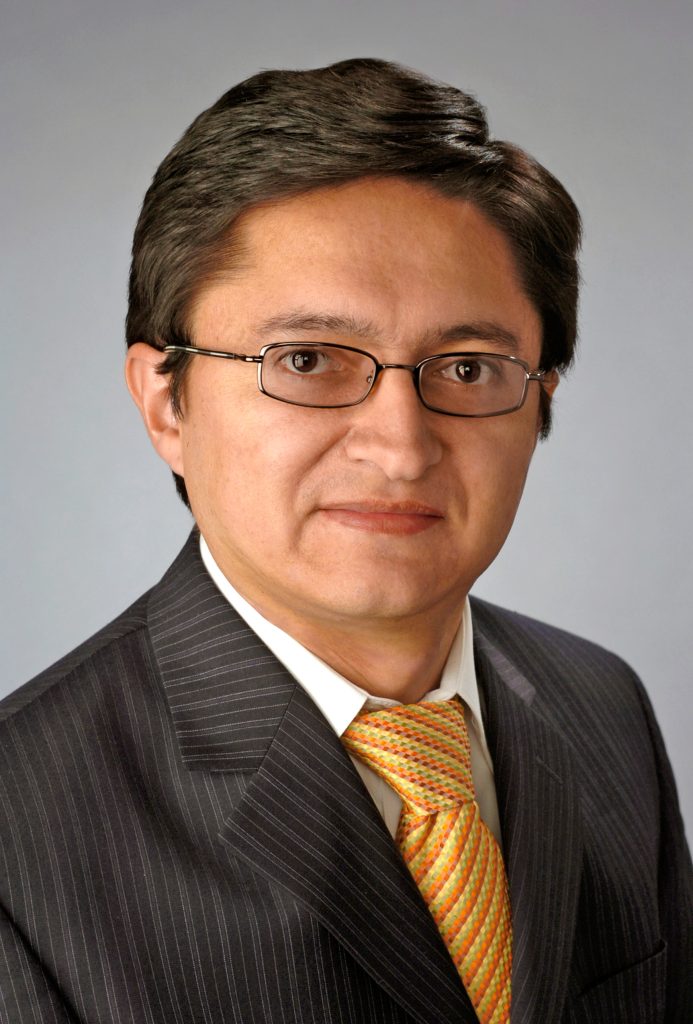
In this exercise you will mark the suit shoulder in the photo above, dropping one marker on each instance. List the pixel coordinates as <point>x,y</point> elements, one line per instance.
<point>77,661</point>
<point>573,680</point>
<point>530,638</point>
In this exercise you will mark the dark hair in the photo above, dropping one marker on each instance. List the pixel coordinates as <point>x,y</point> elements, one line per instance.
<point>282,133</point>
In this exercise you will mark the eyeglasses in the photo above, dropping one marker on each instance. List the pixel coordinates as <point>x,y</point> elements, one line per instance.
<point>320,375</point>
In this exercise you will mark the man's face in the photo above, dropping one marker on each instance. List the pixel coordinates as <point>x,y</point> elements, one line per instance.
<point>384,510</point>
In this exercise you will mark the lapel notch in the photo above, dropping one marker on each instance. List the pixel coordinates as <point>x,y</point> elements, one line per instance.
<point>226,692</point>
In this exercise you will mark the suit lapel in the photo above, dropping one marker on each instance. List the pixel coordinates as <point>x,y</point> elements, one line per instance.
<point>305,820</point>
<point>540,821</point>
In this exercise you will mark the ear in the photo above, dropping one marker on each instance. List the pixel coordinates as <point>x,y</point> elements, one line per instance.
<point>551,382</point>
<point>150,392</point>
<point>548,386</point>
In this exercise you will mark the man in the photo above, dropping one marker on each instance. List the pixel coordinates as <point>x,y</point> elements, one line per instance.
<point>305,778</point>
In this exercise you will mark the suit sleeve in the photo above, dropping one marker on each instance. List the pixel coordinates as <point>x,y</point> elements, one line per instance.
<point>28,995</point>
<point>675,883</point>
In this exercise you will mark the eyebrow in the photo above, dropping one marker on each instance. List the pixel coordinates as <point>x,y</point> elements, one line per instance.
<point>298,321</point>
<point>302,321</point>
<point>478,330</point>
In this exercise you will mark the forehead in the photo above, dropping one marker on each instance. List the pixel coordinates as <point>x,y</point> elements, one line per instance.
<point>386,252</point>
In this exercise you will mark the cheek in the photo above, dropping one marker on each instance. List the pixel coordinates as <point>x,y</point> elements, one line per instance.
<point>214,452</point>
<point>495,465</point>
<point>252,466</point>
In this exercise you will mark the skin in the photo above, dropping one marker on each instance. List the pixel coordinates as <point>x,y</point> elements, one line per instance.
<point>359,531</point>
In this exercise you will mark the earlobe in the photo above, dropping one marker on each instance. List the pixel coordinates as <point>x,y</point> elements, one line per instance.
<point>150,392</point>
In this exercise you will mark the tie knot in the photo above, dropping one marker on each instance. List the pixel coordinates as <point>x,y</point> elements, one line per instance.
<point>421,750</point>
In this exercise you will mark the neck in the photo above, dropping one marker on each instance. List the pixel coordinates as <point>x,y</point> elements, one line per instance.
<point>403,664</point>
<point>402,659</point>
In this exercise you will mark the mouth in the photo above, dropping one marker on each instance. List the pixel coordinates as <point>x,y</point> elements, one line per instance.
<point>391,517</point>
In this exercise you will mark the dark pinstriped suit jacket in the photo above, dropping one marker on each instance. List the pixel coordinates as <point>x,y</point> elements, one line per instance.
<point>185,839</point>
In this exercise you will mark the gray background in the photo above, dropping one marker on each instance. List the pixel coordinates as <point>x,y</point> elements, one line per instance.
<point>92,94</point>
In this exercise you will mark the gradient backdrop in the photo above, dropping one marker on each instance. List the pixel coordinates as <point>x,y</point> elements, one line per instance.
<point>92,94</point>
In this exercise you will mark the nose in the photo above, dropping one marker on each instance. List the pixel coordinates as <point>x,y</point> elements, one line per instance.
<point>392,430</point>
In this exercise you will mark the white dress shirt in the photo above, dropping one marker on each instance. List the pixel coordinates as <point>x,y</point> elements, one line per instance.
<point>340,700</point>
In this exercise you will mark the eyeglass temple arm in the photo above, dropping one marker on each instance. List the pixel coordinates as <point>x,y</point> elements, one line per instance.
<point>212,352</point>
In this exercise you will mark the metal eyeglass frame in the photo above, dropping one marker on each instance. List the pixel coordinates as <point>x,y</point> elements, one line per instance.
<point>414,369</point>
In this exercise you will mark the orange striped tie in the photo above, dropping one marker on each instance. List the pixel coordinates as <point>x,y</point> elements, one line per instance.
<point>422,751</point>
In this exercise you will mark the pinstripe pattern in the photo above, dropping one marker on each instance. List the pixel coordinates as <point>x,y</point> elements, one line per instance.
<point>185,840</point>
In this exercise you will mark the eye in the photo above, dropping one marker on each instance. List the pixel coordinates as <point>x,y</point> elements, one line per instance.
<point>306,361</point>
<point>471,371</point>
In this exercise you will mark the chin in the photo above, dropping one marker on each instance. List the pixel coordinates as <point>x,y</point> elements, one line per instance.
<point>377,600</point>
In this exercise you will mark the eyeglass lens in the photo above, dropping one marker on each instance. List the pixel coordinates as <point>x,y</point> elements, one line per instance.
<point>330,376</point>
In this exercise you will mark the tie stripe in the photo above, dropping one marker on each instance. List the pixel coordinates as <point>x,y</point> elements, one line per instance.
<point>423,752</point>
